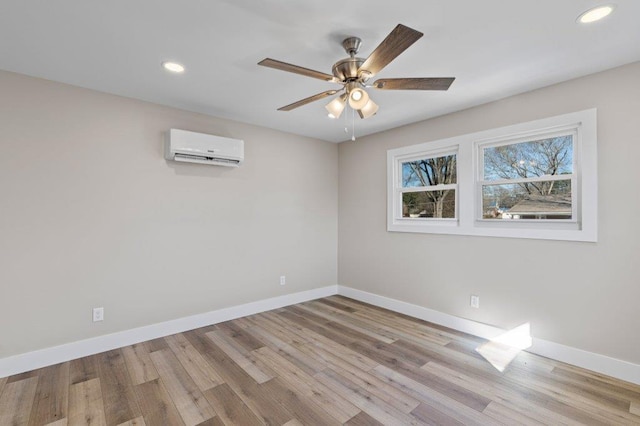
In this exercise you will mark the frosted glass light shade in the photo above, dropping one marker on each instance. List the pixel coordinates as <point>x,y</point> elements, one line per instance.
<point>368,110</point>
<point>336,106</point>
<point>358,98</point>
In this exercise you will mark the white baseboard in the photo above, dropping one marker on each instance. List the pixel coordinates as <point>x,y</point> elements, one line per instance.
<point>44,357</point>
<point>613,367</point>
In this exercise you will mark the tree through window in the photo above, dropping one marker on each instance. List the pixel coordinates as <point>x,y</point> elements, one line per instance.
<point>429,186</point>
<point>529,180</point>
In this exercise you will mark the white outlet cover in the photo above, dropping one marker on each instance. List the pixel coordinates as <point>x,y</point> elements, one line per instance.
<point>98,314</point>
<point>475,301</point>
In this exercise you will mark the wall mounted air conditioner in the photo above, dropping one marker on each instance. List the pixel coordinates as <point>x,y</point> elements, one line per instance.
<point>192,147</point>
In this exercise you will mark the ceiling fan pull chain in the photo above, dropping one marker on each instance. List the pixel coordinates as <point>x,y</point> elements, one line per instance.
<point>353,124</point>
<point>346,121</point>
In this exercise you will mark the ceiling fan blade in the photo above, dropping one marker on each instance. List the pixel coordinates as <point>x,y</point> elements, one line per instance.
<point>308,100</point>
<point>283,66</point>
<point>414,83</point>
<point>396,42</point>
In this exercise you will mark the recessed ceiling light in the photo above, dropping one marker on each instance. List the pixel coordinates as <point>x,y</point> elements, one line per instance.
<point>596,14</point>
<point>173,67</point>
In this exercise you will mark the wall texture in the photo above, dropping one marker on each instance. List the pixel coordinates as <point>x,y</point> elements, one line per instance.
<point>583,295</point>
<point>92,215</point>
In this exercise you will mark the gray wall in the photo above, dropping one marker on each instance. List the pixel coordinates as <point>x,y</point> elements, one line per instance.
<point>583,295</point>
<point>92,215</point>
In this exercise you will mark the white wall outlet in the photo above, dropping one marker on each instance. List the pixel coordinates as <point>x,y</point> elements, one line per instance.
<point>283,280</point>
<point>475,301</point>
<point>98,314</point>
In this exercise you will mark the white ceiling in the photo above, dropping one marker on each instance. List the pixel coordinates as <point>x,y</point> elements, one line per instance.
<point>495,48</point>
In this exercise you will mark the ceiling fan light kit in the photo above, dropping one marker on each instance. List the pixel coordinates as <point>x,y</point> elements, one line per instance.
<point>353,73</point>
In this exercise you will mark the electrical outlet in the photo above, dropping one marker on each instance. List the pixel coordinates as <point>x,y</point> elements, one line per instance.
<point>475,301</point>
<point>283,280</point>
<point>98,314</point>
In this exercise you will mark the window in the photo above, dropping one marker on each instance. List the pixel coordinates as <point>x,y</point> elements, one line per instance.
<point>530,180</point>
<point>428,188</point>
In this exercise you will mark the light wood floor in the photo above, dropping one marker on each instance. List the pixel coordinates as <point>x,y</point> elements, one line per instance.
<point>329,361</point>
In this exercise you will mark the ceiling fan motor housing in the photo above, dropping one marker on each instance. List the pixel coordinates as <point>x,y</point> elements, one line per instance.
<point>346,70</point>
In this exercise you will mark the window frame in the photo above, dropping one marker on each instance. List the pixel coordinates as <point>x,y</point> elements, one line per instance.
<point>470,174</point>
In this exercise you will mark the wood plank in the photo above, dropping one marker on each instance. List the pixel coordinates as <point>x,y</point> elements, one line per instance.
<point>287,351</point>
<point>52,395</point>
<point>634,409</point>
<point>430,415</point>
<point>508,416</point>
<point>298,405</point>
<point>362,378</point>
<point>400,322</point>
<point>362,419</point>
<point>245,363</point>
<point>16,401</point>
<point>590,375</point>
<point>275,327</point>
<point>295,332</point>
<point>255,396</point>
<point>214,421</point>
<point>352,319</point>
<point>446,405</point>
<point>85,404</point>
<point>138,421</point>
<point>306,385</point>
<point>392,396</point>
<point>117,391</point>
<point>346,354</point>
<point>230,408</point>
<point>22,376</point>
<point>333,330</point>
<point>156,405</point>
<point>610,393</point>
<point>355,325</point>
<point>329,358</point>
<point>370,404</point>
<point>508,397</point>
<point>61,422</point>
<point>329,345</point>
<point>388,357</point>
<point>190,402</point>
<point>139,364</point>
<point>240,336</point>
<point>202,373</point>
<point>336,304</point>
<point>83,369</point>
<point>156,345</point>
<point>3,381</point>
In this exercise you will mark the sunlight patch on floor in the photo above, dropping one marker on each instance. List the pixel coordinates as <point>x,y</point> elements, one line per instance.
<point>503,349</point>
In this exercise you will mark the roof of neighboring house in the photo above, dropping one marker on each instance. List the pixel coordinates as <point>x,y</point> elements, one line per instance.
<point>543,204</point>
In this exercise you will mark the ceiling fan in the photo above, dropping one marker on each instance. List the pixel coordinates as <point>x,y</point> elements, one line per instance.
<point>353,73</point>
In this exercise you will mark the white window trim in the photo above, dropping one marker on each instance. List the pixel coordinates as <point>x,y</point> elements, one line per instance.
<point>467,148</point>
